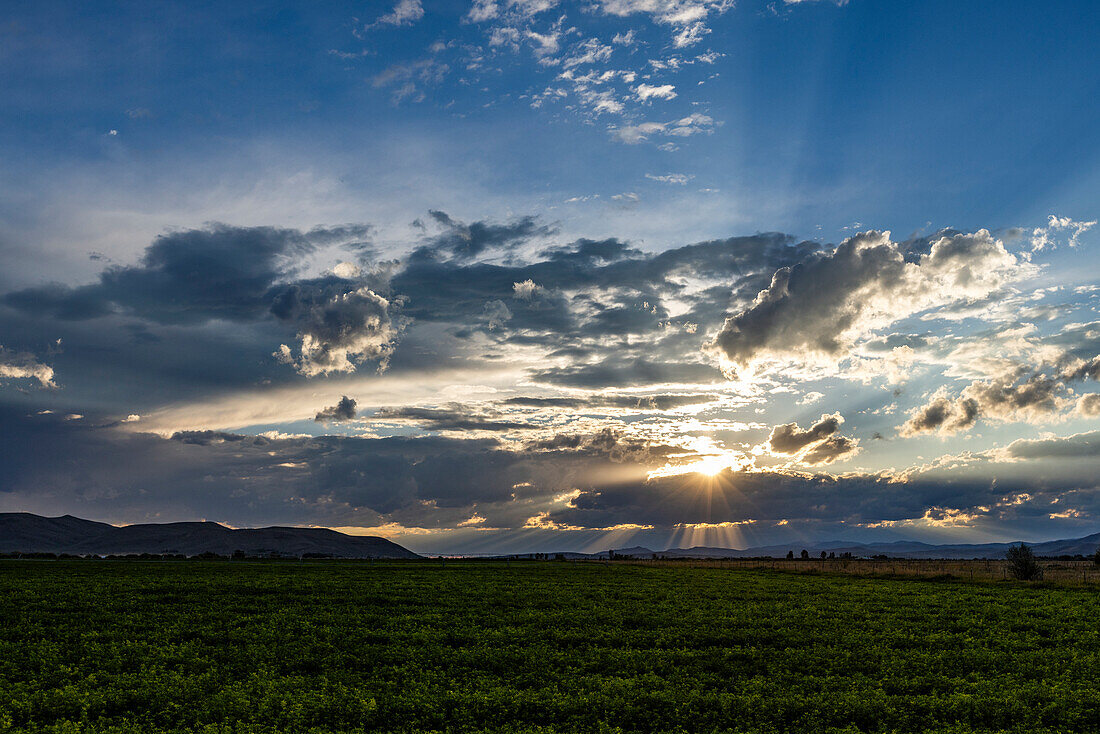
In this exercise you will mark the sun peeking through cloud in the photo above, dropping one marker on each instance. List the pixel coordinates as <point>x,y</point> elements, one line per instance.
<point>708,466</point>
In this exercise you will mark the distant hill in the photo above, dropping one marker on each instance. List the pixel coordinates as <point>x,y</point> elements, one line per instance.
<point>1085,546</point>
<point>22,532</point>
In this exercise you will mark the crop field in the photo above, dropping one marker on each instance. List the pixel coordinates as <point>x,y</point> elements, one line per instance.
<point>99,646</point>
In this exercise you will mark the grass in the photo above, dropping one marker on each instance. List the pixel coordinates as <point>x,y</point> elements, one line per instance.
<point>541,647</point>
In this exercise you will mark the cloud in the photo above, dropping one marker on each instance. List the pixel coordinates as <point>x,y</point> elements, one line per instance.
<point>1089,405</point>
<point>819,308</point>
<point>453,417</point>
<point>527,290</point>
<point>467,241</point>
<point>339,326</point>
<point>834,448</point>
<point>1033,399</point>
<point>405,12</point>
<point>687,17</point>
<point>342,411</point>
<point>818,444</point>
<point>942,415</point>
<point>647,92</point>
<point>408,81</point>
<point>24,366</point>
<point>1079,445</point>
<point>694,124</point>
<point>192,276</point>
<point>790,439</point>
<point>679,179</point>
<point>1044,238</point>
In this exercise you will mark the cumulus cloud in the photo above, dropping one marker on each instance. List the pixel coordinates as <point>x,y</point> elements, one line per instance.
<point>942,415</point>
<point>790,439</point>
<point>820,307</point>
<point>818,444</point>
<point>647,92</point>
<point>527,290</point>
<point>343,411</point>
<point>24,366</point>
<point>1032,398</point>
<point>338,327</point>
<point>1089,405</point>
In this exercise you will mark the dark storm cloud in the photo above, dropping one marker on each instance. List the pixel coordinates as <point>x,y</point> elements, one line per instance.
<point>454,417</point>
<point>468,241</point>
<point>219,272</point>
<point>660,402</point>
<point>769,497</point>
<point>54,466</point>
<point>893,341</point>
<point>342,411</point>
<point>618,372</point>
<point>820,304</point>
<point>162,325</point>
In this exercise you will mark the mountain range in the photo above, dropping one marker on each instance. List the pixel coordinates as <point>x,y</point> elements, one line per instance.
<point>23,532</point>
<point>1085,546</point>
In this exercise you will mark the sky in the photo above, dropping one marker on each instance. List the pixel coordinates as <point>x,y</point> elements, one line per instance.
<point>487,276</point>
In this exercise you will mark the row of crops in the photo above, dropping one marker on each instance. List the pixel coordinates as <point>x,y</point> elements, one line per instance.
<point>542,647</point>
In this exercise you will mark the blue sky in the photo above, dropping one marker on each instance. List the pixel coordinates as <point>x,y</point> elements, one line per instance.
<point>218,222</point>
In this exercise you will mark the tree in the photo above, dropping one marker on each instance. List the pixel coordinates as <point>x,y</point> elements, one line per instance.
<point>790,555</point>
<point>805,555</point>
<point>1096,557</point>
<point>823,555</point>
<point>1022,563</point>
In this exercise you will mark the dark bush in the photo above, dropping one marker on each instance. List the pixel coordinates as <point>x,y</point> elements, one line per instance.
<point>1022,563</point>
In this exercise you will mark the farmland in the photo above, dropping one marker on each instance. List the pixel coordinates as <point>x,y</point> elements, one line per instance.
<point>98,646</point>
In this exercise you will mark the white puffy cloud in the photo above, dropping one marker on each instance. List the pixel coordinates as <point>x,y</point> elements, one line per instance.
<point>647,92</point>
<point>1089,405</point>
<point>527,290</point>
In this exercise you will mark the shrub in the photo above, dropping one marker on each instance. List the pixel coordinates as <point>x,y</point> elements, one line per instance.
<point>1022,563</point>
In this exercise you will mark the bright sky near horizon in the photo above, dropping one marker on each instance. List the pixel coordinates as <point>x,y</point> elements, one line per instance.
<point>538,275</point>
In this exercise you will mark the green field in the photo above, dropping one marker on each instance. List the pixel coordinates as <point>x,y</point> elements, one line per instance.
<point>98,646</point>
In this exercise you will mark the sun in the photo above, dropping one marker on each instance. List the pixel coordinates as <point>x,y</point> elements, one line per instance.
<point>710,466</point>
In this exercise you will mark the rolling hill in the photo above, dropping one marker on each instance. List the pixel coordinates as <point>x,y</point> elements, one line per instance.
<point>22,532</point>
